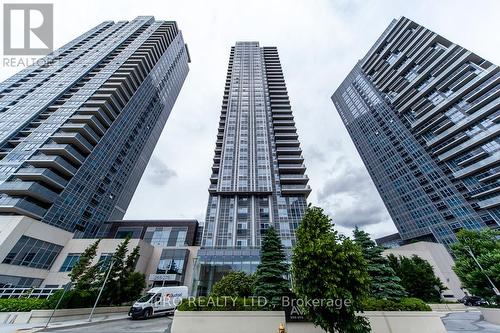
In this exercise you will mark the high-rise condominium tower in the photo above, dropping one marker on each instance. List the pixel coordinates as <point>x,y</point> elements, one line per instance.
<point>258,175</point>
<point>77,131</point>
<point>424,115</point>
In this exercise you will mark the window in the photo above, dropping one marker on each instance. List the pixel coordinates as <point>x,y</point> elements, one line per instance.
<point>69,262</point>
<point>132,232</point>
<point>33,252</point>
<point>105,260</point>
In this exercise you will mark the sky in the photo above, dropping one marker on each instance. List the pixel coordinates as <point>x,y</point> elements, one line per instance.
<point>319,41</point>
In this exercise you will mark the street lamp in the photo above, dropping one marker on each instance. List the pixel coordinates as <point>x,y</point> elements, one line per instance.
<point>102,288</point>
<point>495,289</point>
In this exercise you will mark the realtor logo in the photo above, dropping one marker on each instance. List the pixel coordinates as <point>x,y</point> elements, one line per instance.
<point>28,28</point>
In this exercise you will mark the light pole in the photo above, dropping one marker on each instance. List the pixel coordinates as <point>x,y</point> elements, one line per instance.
<point>102,288</point>
<point>482,270</point>
<point>67,286</point>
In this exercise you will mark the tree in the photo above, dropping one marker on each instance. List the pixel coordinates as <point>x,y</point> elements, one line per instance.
<point>418,278</point>
<point>132,259</point>
<point>385,284</point>
<point>485,246</point>
<point>234,284</point>
<point>133,286</point>
<point>82,274</point>
<point>113,292</point>
<point>328,266</point>
<point>270,280</point>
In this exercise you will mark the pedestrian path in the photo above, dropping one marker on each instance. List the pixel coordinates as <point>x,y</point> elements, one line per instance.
<point>465,322</point>
<point>39,327</point>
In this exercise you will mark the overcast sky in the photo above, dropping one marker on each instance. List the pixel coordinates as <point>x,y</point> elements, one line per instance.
<point>318,42</point>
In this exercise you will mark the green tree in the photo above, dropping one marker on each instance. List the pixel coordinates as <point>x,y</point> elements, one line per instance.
<point>329,266</point>
<point>132,259</point>
<point>234,284</point>
<point>418,278</point>
<point>132,286</point>
<point>270,277</point>
<point>485,245</point>
<point>385,284</point>
<point>113,292</point>
<point>83,273</point>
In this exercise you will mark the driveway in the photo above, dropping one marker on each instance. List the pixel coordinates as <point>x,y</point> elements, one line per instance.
<point>464,322</point>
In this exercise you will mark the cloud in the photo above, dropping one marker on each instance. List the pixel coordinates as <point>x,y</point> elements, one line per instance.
<point>349,196</point>
<point>158,173</point>
<point>318,43</point>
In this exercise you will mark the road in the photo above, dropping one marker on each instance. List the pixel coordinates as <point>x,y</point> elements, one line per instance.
<point>154,325</point>
<point>455,322</point>
<point>465,322</point>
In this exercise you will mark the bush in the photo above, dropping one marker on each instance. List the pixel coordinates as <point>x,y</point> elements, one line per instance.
<point>405,304</point>
<point>221,304</point>
<point>72,299</point>
<point>22,304</point>
<point>234,284</point>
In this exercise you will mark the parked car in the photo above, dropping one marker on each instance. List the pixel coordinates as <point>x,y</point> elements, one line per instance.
<point>160,300</point>
<point>473,301</point>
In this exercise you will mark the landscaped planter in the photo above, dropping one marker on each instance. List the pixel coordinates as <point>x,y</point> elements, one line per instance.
<point>41,316</point>
<point>491,315</point>
<point>268,321</point>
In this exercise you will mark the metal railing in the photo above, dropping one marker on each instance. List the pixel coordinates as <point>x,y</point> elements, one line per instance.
<point>27,292</point>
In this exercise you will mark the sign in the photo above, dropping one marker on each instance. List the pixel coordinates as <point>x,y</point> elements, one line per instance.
<point>164,277</point>
<point>32,25</point>
<point>293,313</point>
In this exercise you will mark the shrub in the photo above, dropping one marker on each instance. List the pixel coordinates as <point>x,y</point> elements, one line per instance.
<point>234,284</point>
<point>22,304</point>
<point>221,304</point>
<point>405,304</point>
<point>72,299</point>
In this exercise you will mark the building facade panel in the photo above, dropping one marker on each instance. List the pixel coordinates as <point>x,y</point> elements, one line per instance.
<point>422,112</point>
<point>258,176</point>
<point>77,132</point>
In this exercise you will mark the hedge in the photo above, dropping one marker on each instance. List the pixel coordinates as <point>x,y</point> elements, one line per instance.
<point>251,304</point>
<point>405,304</point>
<point>22,304</point>
<point>220,304</point>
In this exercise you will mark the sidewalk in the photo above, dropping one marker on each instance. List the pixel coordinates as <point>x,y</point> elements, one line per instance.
<point>40,327</point>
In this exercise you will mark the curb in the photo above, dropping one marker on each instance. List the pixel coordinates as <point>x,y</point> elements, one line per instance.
<point>63,327</point>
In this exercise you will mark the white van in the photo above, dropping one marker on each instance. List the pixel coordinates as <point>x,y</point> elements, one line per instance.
<point>160,300</point>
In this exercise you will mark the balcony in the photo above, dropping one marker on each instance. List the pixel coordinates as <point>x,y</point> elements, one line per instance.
<point>295,189</point>
<point>54,162</point>
<point>21,206</point>
<point>30,189</point>
<point>288,150</point>
<point>43,175</point>
<point>85,130</point>
<point>75,139</point>
<point>287,143</point>
<point>290,159</point>
<point>292,168</point>
<point>91,120</point>
<point>65,150</point>
<point>294,179</point>
<point>289,129</point>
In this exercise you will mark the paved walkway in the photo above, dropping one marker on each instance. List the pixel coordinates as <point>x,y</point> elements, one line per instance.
<point>465,322</point>
<point>153,325</point>
<point>37,327</point>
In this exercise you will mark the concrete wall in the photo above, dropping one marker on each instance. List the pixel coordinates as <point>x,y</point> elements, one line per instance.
<point>262,321</point>
<point>12,227</point>
<point>442,262</point>
<point>42,316</point>
<point>55,277</point>
<point>491,315</point>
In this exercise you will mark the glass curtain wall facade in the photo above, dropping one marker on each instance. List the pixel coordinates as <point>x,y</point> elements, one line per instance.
<point>77,131</point>
<point>423,113</point>
<point>258,177</point>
